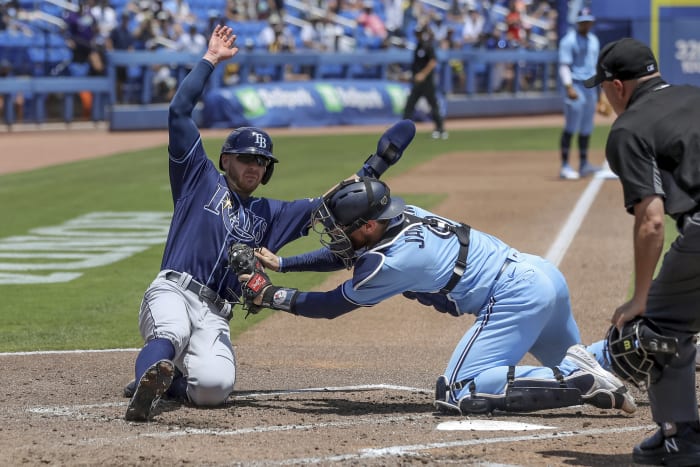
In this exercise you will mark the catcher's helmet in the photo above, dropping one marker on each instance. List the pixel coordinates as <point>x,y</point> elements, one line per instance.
<point>349,206</point>
<point>250,140</point>
<point>638,353</point>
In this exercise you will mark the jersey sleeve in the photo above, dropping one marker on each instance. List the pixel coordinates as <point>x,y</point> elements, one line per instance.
<point>630,159</point>
<point>326,305</point>
<point>182,130</point>
<point>566,53</point>
<point>321,260</point>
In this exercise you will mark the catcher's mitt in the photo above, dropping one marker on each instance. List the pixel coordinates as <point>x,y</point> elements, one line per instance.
<point>242,260</point>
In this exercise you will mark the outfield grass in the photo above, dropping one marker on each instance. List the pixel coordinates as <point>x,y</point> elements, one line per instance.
<point>99,309</point>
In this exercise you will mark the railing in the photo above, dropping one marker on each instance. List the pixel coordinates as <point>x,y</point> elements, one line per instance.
<point>479,66</point>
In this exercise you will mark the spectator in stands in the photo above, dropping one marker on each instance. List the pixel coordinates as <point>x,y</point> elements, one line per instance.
<point>393,11</point>
<point>16,99</point>
<point>192,41</point>
<point>423,80</point>
<point>310,33</point>
<point>459,77</point>
<point>275,36</point>
<point>473,28</point>
<point>514,25</point>
<point>439,27</point>
<point>121,38</point>
<point>82,33</point>
<point>371,22</point>
<point>106,18</point>
<point>180,12</point>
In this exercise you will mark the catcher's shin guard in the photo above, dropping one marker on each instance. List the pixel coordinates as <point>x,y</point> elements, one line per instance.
<point>523,395</point>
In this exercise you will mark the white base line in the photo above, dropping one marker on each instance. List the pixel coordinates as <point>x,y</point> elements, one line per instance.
<point>62,352</point>
<point>573,222</point>
<point>416,448</point>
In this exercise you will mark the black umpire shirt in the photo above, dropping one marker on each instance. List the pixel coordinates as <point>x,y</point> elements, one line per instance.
<point>654,146</point>
<point>423,53</point>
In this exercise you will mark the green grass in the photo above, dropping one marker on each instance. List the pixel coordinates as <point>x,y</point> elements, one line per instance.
<point>100,308</point>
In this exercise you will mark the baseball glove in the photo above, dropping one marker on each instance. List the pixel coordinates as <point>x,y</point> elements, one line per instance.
<point>604,108</point>
<point>242,260</point>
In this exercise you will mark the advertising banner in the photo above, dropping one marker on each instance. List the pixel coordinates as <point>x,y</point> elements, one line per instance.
<point>307,104</point>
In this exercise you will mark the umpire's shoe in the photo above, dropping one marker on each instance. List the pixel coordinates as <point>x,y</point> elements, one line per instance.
<point>152,385</point>
<point>607,391</point>
<point>672,444</point>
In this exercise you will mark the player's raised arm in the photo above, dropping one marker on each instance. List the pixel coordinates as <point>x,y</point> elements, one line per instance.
<point>183,131</point>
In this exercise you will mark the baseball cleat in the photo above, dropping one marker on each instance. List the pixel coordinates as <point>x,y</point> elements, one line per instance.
<point>129,389</point>
<point>152,385</point>
<point>568,173</point>
<point>588,169</point>
<point>607,392</point>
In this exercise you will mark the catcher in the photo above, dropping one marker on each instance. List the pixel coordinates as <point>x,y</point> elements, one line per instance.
<point>516,297</point>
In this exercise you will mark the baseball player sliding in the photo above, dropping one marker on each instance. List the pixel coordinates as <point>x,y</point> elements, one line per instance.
<point>185,312</point>
<point>521,302</point>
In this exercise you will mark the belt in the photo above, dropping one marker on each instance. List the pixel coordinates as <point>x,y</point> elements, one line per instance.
<point>204,292</point>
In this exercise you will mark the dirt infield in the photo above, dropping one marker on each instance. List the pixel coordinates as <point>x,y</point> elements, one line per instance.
<point>356,390</point>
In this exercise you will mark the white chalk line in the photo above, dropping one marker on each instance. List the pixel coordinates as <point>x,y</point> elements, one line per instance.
<point>64,352</point>
<point>417,448</point>
<point>567,233</point>
<point>77,411</point>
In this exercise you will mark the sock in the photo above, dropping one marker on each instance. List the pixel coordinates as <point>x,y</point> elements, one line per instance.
<point>154,350</point>
<point>565,145</point>
<point>583,147</point>
<point>178,388</point>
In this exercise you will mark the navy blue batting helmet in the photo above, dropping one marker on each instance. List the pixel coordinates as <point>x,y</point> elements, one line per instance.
<point>250,140</point>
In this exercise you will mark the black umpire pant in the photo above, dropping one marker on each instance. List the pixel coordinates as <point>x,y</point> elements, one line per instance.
<point>674,306</point>
<point>425,88</point>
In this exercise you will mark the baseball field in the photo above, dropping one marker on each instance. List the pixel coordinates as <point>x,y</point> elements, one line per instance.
<point>85,214</point>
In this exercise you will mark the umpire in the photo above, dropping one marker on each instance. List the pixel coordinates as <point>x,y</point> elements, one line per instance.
<point>423,80</point>
<point>654,147</point>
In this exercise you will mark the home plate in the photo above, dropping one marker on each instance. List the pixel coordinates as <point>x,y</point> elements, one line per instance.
<point>489,425</point>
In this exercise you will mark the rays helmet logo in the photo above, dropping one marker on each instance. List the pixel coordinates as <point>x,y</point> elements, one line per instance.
<point>260,140</point>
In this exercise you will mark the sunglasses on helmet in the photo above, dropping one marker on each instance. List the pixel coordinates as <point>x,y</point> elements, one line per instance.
<point>262,161</point>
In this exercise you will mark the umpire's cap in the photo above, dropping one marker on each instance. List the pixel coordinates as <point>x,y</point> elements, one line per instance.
<point>250,140</point>
<point>623,59</point>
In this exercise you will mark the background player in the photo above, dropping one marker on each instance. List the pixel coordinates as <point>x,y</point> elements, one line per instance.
<point>184,316</point>
<point>521,301</point>
<point>578,54</point>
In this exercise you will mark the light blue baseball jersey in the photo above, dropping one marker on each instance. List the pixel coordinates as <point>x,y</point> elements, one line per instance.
<point>580,53</point>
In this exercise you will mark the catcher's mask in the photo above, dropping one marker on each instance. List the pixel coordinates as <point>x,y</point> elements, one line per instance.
<point>638,353</point>
<point>253,141</point>
<point>348,207</point>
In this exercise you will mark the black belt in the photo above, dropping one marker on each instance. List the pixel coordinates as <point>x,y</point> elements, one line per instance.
<point>204,292</point>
